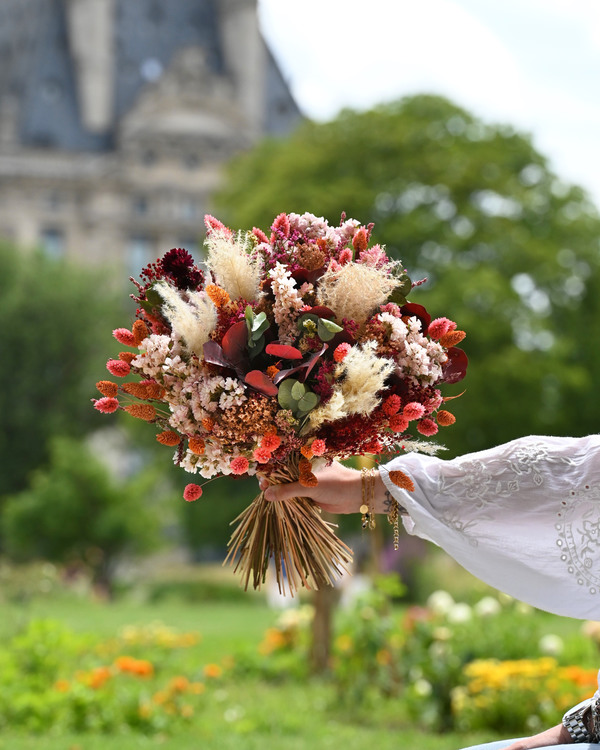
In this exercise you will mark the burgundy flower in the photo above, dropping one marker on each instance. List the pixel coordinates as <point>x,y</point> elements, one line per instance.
<point>179,266</point>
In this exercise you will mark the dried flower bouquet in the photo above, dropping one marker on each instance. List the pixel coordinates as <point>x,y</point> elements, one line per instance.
<point>293,349</point>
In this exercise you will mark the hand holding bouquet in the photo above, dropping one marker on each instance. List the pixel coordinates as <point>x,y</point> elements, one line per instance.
<point>294,349</point>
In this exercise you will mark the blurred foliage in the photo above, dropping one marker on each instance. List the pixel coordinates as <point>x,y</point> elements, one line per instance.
<point>76,512</point>
<point>56,325</point>
<point>510,251</point>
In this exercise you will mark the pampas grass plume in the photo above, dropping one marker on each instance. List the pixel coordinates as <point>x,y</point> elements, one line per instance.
<point>232,266</point>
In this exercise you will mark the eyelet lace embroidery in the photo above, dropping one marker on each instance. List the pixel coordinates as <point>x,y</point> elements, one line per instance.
<point>578,539</point>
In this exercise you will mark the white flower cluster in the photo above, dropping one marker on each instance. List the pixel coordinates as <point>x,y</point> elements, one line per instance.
<point>288,301</point>
<point>418,357</point>
<point>314,227</point>
<point>213,463</point>
<point>150,361</point>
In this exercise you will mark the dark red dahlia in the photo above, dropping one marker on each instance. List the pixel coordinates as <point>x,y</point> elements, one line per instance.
<point>179,266</point>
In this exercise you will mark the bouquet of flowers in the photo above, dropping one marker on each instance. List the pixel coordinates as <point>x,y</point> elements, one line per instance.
<point>291,350</point>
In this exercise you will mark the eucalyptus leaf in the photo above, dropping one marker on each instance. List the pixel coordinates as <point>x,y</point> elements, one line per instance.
<point>308,402</point>
<point>397,297</point>
<point>330,325</point>
<point>323,332</point>
<point>298,390</point>
<point>284,396</point>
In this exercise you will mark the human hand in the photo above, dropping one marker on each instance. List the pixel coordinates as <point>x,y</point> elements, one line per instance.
<point>557,735</point>
<point>339,490</point>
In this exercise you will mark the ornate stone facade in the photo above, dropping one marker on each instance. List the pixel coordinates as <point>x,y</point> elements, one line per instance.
<point>116,117</point>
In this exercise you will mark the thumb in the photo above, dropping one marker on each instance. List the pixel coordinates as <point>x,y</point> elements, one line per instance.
<point>282,492</point>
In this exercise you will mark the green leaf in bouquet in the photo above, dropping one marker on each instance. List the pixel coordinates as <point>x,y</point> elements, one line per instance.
<point>308,323</point>
<point>152,302</point>
<point>298,390</point>
<point>326,329</point>
<point>284,396</point>
<point>256,347</point>
<point>307,403</point>
<point>398,297</point>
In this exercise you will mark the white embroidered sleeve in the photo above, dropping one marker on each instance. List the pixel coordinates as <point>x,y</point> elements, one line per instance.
<point>524,517</point>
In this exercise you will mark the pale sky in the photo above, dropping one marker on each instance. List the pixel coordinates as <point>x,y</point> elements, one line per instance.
<point>534,64</point>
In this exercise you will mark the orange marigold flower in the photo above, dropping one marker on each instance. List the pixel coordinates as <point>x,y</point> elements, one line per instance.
<point>306,451</point>
<point>402,480</point>
<point>216,295</point>
<point>142,411</point>
<point>98,676</point>
<point>196,445</point>
<point>445,418</point>
<point>208,424</point>
<point>179,684</point>
<point>272,371</point>
<point>140,331</point>
<point>107,388</point>
<point>168,437</point>
<point>452,339</point>
<point>127,357</point>
<point>62,686</point>
<point>213,671</point>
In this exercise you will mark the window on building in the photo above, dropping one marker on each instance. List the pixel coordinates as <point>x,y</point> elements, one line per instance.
<point>139,254</point>
<point>139,205</point>
<point>52,241</point>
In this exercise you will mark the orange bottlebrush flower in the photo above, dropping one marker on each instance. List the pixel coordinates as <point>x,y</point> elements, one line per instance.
<point>139,390</point>
<point>142,411</point>
<point>272,371</point>
<point>107,388</point>
<point>154,390</point>
<point>196,445</point>
<point>452,339</point>
<point>127,357</point>
<point>213,671</point>
<point>360,241</point>
<point>306,451</point>
<point>402,480</point>
<point>445,418</point>
<point>208,424</point>
<point>168,437</point>
<point>140,332</point>
<point>216,295</point>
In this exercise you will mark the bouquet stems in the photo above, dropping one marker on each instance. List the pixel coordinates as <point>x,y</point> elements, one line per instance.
<point>303,546</point>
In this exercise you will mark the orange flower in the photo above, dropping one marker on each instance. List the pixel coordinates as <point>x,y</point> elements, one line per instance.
<point>216,295</point>
<point>196,445</point>
<point>127,357</point>
<point>272,371</point>
<point>142,411</point>
<point>139,390</point>
<point>402,480</point>
<point>179,684</point>
<point>452,339</point>
<point>168,437</point>
<point>98,676</point>
<point>208,424</point>
<point>306,451</point>
<point>107,388</point>
<point>213,671</point>
<point>445,418</point>
<point>62,686</point>
<point>140,332</point>
<point>154,390</point>
<point>138,667</point>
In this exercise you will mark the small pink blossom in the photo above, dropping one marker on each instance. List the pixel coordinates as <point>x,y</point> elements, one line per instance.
<point>341,352</point>
<point>214,225</point>
<point>427,427</point>
<point>281,225</point>
<point>239,465</point>
<point>440,327</point>
<point>124,336</point>
<point>334,265</point>
<point>318,447</point>
<point>345,256</point>
<point>106,405</point>
<point>413,410</point>
<point>260,235</point>
<point>392,405</point>
<point>118,368</point>
<point>192,492</point>
<point>398,423</point>
<point>262,455</point>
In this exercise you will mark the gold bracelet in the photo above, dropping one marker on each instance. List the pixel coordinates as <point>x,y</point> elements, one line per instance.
<point>393,518</point>
<point>367,477</point>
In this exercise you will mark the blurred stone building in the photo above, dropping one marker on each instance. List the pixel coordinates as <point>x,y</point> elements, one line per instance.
<point>116,117</point>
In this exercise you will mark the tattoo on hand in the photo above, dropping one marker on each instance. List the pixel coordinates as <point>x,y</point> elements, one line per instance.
<point>388,503</point>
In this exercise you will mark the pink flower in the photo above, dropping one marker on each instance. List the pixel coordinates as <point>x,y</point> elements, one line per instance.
<point>427,427</point>
<point>262,455</point>
<point>413,410</point>
<point>106,405</point>
<point>270,441</point>
<point>192,492</point>
<point>124,336</point>
<point>118,368</point>
<point>398,423</point>
<point>345,256</point>
<point>440,327</point>
<point>282,225</point>
<point>392,405</point>
<point>341,351</point>
<point>318,447</point>
<point>239,465</point>
<point>260,235</point>
<point>214,225</point>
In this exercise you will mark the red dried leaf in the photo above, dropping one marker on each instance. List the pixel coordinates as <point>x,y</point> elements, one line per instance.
<point>283,350</point>
<point>455,368</point>
<point>235,342</point>
<point>260,382</point>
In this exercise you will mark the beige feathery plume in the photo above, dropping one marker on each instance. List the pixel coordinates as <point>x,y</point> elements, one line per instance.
<point>192,321</point>
<point>359,377</point>
<point>355,290</point>
<point>232,266</point>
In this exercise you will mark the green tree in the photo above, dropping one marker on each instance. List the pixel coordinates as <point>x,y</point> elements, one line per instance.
<point>55,333</point>
<point>75,511</point>
<point>509,250</point>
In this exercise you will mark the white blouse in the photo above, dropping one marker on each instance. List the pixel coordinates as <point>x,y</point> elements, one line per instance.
<point>524,517</point>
